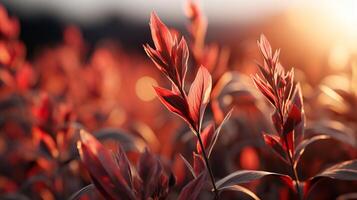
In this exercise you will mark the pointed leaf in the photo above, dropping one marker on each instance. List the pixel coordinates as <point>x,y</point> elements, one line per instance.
<point>293,119</point>
<point>181,58</point>
<point>300,149</point>
<point>346,170</point>
<point>198,164</point>
<point>264,88</point>
<point>207,137</point>
<point>193,188</point>
<point>245,176</point>
<point>218,132</point>
<point>298,101</point>
<point>274,142</point>
<point>241,189</point>
<point>199,95</point>
<point>81,192</point>
<point>174,103</point>
<point>102,168</point>
<point>265,47</point>
<point>161,35</point>
<point>151,173</point>
<point>189,166</point>
<point>123,164</point>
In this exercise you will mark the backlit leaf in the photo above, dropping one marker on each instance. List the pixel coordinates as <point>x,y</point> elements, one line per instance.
<point>199,95</point>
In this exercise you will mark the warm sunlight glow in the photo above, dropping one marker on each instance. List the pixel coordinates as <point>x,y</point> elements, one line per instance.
<point>144,89</point>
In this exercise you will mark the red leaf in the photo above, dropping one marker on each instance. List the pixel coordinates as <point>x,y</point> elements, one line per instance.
<point>265,89</point>
<point>207,137</point>
<point>180,56</point>
<point>198,164</point>
<point>152,174</point>
<point>293,119</point>
<point>157,59</point>
<point>102,168</point>
<point>289,142</point>
<point>174,103</point>
<point>297,100</point>
<point>199,95</point>
<point>193,188</point>
<point>42,139</point>
<point>275,143</point>
<point>161,35</point>
<point>123,164</point>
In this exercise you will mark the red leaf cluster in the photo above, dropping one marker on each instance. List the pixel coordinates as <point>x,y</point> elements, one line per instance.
<point>115,177</point>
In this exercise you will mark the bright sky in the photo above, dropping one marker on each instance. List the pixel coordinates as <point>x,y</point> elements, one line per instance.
<point>172,10</point>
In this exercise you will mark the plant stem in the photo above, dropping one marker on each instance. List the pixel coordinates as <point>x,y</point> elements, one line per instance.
<point>208,166</point>
<point>294,173</point>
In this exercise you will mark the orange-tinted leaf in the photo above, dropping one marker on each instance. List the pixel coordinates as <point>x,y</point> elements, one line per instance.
<point>265,47</point>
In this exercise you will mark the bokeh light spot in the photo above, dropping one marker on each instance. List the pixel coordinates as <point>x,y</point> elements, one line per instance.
<point>144,89</point>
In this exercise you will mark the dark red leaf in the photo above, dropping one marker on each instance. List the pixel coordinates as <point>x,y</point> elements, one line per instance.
<point>192,190</point>
<point>174,103</point>
<point>102,168</point>
<point>275,143</point>
<point>155,182</point>
<point>293,119</point>
<point>275,117</point>
<point>198,164</point>
<point>207,138</point>
<point>124,165</point>
<point>297,100</point>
